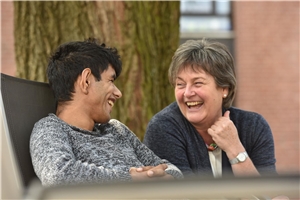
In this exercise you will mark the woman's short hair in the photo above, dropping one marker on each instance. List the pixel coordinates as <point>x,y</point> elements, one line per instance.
<point>212,57</point>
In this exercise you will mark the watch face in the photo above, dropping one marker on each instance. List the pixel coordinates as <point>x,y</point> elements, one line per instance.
<point>241,157</point>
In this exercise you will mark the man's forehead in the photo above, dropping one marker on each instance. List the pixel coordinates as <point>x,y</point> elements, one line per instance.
<point>109,72</point>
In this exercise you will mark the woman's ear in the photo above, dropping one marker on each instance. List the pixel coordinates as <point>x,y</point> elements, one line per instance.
<point>84,80</point>
<point>225,92</point>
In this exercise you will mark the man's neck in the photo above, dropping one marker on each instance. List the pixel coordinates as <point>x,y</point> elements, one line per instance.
<point>74,116</point>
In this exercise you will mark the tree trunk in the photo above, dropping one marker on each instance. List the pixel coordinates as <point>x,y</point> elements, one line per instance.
<point>145,33</point>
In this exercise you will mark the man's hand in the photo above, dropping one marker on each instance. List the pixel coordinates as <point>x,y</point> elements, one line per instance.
<point>150,173</point>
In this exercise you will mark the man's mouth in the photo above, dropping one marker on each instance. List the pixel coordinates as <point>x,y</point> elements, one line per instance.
<point>194,104</point>
<point>111,103</point>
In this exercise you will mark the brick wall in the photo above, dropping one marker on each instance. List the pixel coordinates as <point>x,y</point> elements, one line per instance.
<point>267,60</point>
<point>8,64</point>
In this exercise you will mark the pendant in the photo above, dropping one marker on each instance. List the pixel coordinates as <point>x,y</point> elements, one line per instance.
<point>212,147</point>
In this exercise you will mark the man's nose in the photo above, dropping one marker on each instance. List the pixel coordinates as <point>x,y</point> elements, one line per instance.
<point>117,93</point>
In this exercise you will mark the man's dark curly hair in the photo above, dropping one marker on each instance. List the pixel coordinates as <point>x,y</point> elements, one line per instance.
<point>70,59</point>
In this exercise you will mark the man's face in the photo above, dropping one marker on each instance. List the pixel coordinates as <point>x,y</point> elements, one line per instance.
<point>102,96</point>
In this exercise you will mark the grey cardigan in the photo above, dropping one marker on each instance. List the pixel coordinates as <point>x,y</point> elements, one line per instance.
<point>172,137</point>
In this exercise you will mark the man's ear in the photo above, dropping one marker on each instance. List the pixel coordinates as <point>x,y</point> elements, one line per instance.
<point>84,80</point>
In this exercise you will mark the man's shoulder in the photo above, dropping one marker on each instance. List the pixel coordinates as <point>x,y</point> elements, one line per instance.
<point>50,118</point>
<point>47,123</point>
<point>114,124</point>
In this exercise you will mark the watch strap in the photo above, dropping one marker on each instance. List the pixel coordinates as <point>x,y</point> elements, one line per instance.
<point>236,160</point>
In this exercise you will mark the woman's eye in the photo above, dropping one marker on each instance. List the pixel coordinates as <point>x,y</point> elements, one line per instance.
<point>180,85</point>
<point>198,83</point>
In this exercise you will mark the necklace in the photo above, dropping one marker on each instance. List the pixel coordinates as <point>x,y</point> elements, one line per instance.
<point>212,146</point>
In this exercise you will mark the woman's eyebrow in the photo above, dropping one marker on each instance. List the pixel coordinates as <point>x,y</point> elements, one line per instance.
<point>195,78</point>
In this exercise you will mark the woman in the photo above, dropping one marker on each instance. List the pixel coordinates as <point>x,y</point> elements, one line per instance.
<point>201,133</point>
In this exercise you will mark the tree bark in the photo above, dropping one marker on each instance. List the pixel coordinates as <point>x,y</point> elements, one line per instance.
<point>145,33</point>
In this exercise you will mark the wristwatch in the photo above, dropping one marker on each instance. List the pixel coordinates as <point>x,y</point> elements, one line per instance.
<point>241,157</point>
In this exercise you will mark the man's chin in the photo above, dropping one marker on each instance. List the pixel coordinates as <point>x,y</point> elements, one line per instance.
<point>104,121</point>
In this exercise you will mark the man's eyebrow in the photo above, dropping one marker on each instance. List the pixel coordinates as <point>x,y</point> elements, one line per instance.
<point>114,76</point>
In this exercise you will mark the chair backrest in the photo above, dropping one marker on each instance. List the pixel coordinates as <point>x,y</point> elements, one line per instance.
<point>24,102</point>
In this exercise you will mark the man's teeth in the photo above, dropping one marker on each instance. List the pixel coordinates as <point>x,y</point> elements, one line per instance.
<point>111,103</point>
<point>193,103</point>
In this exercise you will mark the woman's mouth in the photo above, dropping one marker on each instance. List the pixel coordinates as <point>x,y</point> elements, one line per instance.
<point>194,104</point>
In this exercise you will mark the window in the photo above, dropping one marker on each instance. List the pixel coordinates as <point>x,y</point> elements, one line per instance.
<point>209,19</point>
<point>205,16</point>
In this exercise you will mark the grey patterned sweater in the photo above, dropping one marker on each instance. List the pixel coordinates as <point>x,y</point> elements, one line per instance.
<point>64,154</point>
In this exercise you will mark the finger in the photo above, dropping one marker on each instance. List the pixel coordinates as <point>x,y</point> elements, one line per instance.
<point>158,170</point>
<point>150,173</point>
<point>210,131</point>
<point>165,166</point>
<point>132,169</point>
<point>145,168</point>
<point>139,169</point>
<point>226,114</point>
<point>156,173</point>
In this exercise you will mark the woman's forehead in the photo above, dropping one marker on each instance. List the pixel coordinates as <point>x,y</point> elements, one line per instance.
<point>191,67</point>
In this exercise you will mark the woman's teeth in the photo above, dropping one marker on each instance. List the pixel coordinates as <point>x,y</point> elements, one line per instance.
<point>191,104</point>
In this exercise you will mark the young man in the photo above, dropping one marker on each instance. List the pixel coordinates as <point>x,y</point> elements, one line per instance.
<point>81,143</point>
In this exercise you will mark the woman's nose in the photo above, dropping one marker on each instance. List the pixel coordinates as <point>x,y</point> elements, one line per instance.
<point>189,92</point>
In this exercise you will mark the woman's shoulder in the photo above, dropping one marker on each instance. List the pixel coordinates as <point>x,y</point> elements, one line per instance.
<point>237,112</point>
<point>240,116</point>
<point>171,111</point>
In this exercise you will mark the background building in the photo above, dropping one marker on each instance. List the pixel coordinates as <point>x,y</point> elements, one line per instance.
<point>264,39</point>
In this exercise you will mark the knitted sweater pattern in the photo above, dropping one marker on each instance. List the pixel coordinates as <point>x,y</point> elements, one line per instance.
<point>64,154</point>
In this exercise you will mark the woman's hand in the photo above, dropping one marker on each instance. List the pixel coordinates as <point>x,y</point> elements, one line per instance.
<point>225,135</point>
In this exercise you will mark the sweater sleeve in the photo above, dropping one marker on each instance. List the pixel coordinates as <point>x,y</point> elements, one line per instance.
<point>148,157</point>
<point>54,161</point>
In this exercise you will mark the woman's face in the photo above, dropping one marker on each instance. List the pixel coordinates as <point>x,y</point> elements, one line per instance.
<point>198,97</point>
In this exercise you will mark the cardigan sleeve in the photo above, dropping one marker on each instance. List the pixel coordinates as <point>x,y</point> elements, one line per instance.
<point>256,136</point>
<point>262,152</point>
